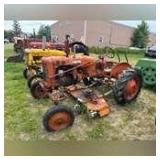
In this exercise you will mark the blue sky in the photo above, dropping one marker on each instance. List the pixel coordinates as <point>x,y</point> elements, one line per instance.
<point>27,26</point>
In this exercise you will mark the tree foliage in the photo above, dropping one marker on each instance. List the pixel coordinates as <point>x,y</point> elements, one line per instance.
<point>44,31</point>
<point>16,28</point>
<point>140,37</point>
<point>34,33</point>
<point>8,34</point>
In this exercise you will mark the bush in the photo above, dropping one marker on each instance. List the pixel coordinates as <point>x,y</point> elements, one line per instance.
<point>95,50</point>
<point>98,50</point>
<point>129,51</point>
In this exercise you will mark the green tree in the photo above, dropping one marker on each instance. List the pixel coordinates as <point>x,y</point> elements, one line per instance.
<point>8,34</point>
<point>34,33</point>
<point>44,31</point>
<point>140,37</point>
<point>16,28</point>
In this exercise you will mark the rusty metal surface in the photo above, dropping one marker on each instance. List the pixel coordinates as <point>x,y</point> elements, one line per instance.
<point>92,100</point>
<point>79,66</point>
<point>117,69</point>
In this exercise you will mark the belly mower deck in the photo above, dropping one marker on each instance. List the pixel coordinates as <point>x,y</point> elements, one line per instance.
<point>94,102</point>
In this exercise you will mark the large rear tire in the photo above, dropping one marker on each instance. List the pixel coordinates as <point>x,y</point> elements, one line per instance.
<point>127,86</point>
<point>79,47</point>
<point>58,118</point>
<point>149,75</point>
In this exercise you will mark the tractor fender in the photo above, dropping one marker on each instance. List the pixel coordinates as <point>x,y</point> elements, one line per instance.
<point>118,69</point>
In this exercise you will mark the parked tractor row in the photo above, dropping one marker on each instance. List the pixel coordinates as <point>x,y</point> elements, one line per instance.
<point>21,44</point>
<point>58,72</point>
<point>61,74</point>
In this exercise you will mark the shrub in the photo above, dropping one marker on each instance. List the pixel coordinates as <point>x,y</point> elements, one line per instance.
<point>98,50</point>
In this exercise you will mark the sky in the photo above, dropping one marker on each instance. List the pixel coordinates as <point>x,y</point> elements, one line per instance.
<point>27,26</point>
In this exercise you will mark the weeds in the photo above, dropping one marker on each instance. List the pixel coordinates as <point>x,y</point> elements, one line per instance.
<point>96,132</point>
<point>23,114</point>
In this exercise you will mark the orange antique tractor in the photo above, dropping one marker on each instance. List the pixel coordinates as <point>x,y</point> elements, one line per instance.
<point>75,76</point>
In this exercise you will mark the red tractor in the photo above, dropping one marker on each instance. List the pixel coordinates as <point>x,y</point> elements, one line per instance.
<point>75,76</point>
<point>21,44</point>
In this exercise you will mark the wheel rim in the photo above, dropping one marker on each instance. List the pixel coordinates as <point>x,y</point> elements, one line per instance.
<point>31,73</point>
<point>132,88</point>
<point>39,91</point>
<point>149,75</point>
<point>59,121</point>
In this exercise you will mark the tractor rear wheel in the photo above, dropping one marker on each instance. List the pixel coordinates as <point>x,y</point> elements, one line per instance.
<point>79,47</point>
<point>58,118</point>
<point>127,86</point>
<point>37,91</point>
<point>33,79</point>
<point>149,75</point>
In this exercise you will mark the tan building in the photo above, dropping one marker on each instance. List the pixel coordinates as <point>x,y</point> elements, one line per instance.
<point>96,33</point>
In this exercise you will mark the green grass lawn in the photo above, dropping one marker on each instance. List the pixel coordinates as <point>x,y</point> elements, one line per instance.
<point>23,114</point>
<point>8,50</point>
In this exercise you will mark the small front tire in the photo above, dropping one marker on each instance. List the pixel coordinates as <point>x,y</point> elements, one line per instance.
<point>33,79</point>
<point>37,91</point>
<point>58,118</point>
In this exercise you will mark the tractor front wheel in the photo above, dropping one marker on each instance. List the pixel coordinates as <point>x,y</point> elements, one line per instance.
<point>37,91</point>
<point>29,72</point>
<point>33,79</point>
<point>127,86</point>
<point>58,118</point>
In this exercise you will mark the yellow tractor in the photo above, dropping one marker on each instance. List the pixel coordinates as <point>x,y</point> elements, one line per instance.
<point>33,59</point>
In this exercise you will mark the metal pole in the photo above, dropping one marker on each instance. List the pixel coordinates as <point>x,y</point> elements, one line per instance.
<point>43,42</point>
<point>85,31</point>
<point>110,35</point>
<point>34,33</point>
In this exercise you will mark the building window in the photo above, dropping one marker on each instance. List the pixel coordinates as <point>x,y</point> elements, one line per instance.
<point>100,39</point>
